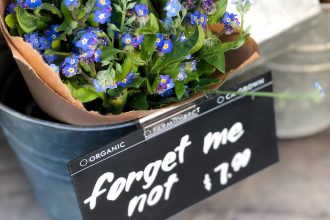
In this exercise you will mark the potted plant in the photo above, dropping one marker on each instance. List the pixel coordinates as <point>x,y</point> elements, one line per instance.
<point>101,62</point>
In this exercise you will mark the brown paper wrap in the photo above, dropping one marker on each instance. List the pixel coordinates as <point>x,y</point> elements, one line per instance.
<point>55,98</point>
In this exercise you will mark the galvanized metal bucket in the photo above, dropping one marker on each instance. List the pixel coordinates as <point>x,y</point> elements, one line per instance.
<point>43,146</point>
<point>307,62</point>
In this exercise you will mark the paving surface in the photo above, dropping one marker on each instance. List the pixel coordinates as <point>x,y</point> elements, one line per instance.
<point>297,188</point>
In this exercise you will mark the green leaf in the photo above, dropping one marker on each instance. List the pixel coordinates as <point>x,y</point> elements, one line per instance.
<point>49,8</point>
<point>233,45</point>
<point>150,28</point>
<point>214,54</point>
<point>136,59</point>
<point>106,77</point>
<point>20,30</point>
<point>200,41</point>
<point>26,21</point>
<point>56,45</point>
<point>83,93</point>
<point>112,27</point>
<point>221,7</point>
<point>204,68</point>
<point>62,37</point>
<point>193,76</point>
<point>131,5</point>
<point>90,4</point>
<point>109,52</point>
<point>85,66</point>
<point>148,86</point>
<point>172,70</point>
<point>11,20</point>
<point>119,68</point>
<point>126,68</point>
<point>58,53</point>
<point>155,84</point>
<point>115,92</point>
<point>69,24</point>
<point>118,8</point>
<point>179,53</point>
<point>136,83</point>
<point>118,103</point>
<point>92,22</point>
<point>131,20</point>
<point>138,101</point>
<point>148,46</point>
<point>180,89</point>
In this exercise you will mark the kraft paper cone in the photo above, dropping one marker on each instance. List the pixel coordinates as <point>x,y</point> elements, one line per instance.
<point>55,98</point>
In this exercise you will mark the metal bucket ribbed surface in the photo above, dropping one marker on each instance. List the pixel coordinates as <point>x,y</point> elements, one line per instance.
<point>308,61</point>
<point>43,146</point>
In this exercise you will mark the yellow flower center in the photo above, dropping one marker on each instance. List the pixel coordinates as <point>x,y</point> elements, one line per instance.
<point>228,20</point>
<point>158,40</point>
<point>102,2</point>
<point>124,80</point>
<point>140,12</point>
<point>71,70</point>
<point>33,1</point>
<point>202,19</point>
<point>163,80</point>
<point>165,46</point>
<point>128,41</point>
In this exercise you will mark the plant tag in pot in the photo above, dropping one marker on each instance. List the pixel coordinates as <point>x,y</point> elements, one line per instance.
<point>179,158</point>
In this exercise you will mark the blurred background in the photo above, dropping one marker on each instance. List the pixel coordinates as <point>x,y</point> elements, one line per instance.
<point>294,38</point>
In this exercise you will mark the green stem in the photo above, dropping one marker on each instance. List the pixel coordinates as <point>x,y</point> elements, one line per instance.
<point>104,35</point>
<point>122,26</point>
<point>58,53</point>
<point>282,95</point>
<point>123,17</point>
<point>93,70</point>
<point>75,17</point>
<point>242,23</point>
<point>86,77</point>
<point>83,19</point>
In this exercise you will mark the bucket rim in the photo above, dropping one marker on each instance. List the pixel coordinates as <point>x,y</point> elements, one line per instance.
<point>58,125</point>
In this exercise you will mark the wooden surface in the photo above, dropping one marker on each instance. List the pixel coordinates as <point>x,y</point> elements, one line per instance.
<point>298,188</point>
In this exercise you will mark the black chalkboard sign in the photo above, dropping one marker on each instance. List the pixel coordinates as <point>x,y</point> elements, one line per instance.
<point>179,158</point>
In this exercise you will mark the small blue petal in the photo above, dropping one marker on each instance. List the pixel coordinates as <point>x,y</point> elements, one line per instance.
<point>103,15</point>
<point>173,7</point>
<point>159,40</point>
<point>141,10</point>
<point>167,47</point>
<point>55,68</point>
